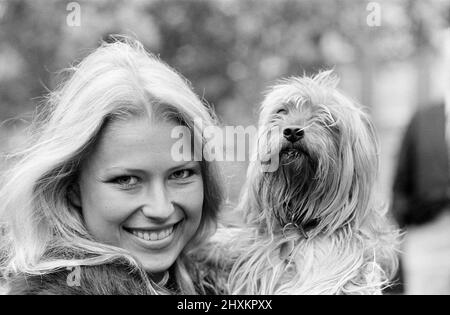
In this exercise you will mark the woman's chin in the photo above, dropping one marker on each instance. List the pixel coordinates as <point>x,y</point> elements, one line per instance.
<point>157,264</point>
<point>154,270</point>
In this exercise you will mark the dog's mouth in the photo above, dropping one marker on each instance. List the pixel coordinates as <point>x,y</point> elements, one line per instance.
<point>290,153</point>
<point>297,156</point>
<point>293,153</point>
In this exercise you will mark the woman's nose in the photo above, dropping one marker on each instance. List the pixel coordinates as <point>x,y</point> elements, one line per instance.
<point>157,204</point>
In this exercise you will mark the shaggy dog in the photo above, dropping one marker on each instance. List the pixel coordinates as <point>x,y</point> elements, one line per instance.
<point>312,224</point>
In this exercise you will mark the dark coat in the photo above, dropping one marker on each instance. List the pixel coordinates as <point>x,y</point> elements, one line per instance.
<point>422,182</point>
<point>116,278</point>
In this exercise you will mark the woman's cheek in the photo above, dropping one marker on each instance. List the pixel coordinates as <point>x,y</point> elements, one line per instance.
<point>191,200</point>
<point>114,205</point>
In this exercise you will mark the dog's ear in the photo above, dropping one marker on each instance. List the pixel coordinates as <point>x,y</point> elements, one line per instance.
<point>366,160</point>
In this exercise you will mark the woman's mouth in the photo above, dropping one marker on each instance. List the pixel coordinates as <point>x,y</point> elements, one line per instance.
<point>154,236</point>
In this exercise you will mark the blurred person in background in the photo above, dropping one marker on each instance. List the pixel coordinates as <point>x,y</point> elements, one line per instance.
<point>421,200</point>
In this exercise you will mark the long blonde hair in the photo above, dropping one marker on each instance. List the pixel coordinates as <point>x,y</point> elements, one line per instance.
<point>116,81</point>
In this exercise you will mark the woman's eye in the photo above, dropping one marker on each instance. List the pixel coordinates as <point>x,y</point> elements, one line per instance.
<point>126,182</point>
<point>181,174</point>
<point>282,111</point>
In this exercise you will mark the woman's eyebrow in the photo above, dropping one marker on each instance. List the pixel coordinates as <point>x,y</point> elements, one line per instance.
<point>124,169</point>
<point>189,164</point>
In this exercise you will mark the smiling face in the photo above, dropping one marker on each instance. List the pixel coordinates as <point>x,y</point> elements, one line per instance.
<point>133,195</point>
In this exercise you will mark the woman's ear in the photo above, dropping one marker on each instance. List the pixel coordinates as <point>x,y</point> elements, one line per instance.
<point>74,195</point>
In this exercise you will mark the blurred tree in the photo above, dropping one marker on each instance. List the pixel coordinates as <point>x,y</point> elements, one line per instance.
<point>30,33</point>
<point>198,40</point>
<point>230,49</point>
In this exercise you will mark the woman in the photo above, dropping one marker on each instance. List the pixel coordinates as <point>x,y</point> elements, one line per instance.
<point>97,204</point>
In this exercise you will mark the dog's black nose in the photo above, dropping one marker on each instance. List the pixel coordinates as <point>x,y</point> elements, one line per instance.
<point>293,134</point>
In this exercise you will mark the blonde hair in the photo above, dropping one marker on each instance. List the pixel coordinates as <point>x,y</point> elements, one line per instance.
<point>118,80</point>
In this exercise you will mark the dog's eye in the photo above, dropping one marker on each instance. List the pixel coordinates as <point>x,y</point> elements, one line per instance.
<point>282,111</point>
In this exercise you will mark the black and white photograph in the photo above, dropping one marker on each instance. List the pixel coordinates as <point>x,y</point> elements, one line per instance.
<point>225,148</point>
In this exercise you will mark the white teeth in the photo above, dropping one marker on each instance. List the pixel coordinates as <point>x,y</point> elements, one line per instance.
<point>153,236</point>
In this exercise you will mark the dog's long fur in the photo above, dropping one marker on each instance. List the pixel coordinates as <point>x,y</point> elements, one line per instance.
<point>313,225</point>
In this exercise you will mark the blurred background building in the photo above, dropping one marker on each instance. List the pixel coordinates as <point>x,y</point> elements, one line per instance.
<point>389,55</point>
